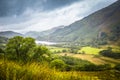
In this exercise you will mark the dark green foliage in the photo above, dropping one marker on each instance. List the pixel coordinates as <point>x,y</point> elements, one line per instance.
<point>115,33</point>
<point>25,49</point>
<point>1,50</point>
<point>64,50</point>
<point>93,67</point>
<point>18,47</point>
<point>110,53</point>
<point>40,53</point>
<point>117,67</point>
<point>82,65</point>
<point>73,63</point>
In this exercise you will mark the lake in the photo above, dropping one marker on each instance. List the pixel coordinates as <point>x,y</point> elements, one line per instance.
<point>45,42</point>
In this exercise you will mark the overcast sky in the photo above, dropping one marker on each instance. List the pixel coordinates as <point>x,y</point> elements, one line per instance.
<point>38,15</point>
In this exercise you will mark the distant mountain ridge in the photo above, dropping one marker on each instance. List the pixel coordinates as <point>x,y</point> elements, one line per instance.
<point>104,23</point>
<point>42,34</point>
<point>9,34</point>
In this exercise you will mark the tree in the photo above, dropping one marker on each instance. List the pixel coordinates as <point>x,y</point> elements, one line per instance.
<point>18,47</point>
<point>40,53</point>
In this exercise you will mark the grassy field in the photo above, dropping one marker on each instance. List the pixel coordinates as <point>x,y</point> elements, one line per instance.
<point>98,60</point>
<point>56,49</point>
<point>10,70</point>
<point>114,48</point>
<point>90,50</point>
<point>91,54</point>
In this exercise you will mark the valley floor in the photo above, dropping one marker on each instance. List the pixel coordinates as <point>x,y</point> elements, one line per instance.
<point>96,59</point>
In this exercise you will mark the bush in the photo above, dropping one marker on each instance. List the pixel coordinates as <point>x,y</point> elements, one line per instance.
<point>109,53</point>
<point>40,53</point>
<point>64,50</point>
<point>58,64</point>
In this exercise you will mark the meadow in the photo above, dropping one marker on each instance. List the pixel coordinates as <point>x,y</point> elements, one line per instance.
<point>90,50</point>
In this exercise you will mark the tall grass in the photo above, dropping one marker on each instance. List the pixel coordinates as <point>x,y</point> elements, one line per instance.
<point>10,70</point>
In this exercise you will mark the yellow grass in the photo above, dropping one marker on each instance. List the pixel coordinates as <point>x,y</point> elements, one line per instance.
<point>10,70</point>
<point>35,71</point>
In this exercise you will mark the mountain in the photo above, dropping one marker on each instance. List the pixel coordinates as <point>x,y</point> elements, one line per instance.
<point>50,31</point>
<point>42,34</point>
<point>103,25</point>
<point>32,34</point>
<point>9,34</point>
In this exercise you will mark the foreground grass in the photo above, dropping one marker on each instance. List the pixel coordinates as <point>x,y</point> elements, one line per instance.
<point>10,70</point>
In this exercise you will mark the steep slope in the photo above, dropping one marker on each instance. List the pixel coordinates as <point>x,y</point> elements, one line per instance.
<point>10,34</point>
<point>101,24</point>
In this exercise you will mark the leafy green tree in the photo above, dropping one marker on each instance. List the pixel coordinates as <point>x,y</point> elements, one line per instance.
<point>18,47</point>
<point>27,44</point>
<point>41,53</point>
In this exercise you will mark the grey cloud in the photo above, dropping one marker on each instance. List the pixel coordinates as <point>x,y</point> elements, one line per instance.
<point>17,7</point>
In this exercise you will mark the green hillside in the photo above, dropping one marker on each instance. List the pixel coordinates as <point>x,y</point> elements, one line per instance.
<point>101,27</point>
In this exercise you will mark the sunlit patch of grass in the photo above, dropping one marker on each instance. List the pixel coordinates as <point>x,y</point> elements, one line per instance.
<point>90,50</point>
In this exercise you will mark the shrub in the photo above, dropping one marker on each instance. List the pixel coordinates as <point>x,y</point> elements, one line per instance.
<point>58,64</point>
<point>109,53</point>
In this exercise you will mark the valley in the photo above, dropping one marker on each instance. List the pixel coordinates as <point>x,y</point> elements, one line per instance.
<point>90,54</point>
<point>86,49</point>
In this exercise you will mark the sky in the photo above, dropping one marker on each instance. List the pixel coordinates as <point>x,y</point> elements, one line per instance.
<point>39,15</point>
